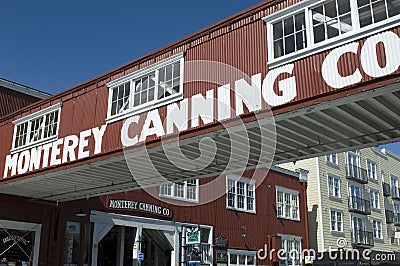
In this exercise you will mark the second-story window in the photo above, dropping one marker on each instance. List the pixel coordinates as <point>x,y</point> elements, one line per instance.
<point>240,193</point>
<point>37,127</point>
<point>287,203</point>
<point>186,190</point>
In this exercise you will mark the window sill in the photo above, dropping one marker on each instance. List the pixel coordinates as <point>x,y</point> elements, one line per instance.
<point>179,199</point>
<point>35,144</point>
<point>334,165</point>
<point>335,42</point>
<point>290,219</point>
<point>240,210</point>
<point>334,198</point>
<point>144,108</point>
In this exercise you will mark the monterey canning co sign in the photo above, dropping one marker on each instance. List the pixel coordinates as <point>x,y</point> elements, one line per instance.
<point>252,95</point>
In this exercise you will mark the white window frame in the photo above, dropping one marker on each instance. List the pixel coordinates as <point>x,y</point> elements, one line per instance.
<point>291,238</point>
<point>372,170</point>
<point>291,193</point>
<point>337,229</point>
<point>32,227</point>
<point>238,252</point>
<point>130,111</point>
<point>333,195</point>
<point>185,186</point>
<point>312,48</point>
<point>29,119</point>
<point>246,181</point>
<point>329,158</point>
<point>394,189</point>
<point>375,199</point>
<point>376,226</point>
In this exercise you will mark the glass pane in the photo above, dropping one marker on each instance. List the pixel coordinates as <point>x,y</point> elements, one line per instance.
<point>344,7</point>
<point>393,7</point>
<point>300,42</point>
<point>379,9</point>
<point>319,33</point>
<point>330,10</point>
<point>177,67</point>
<point>332,27</point>
<point>86,248</point>
<point>300,22</point>
<point>289,27</point>
<point>16,247</point>
<point>365,16</point>
<point>278,48</point>
<point>72,242</point>
<point>289,44</point>
<point>278,30</point>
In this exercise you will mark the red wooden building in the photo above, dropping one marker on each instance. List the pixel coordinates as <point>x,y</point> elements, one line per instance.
<point>279,82</point>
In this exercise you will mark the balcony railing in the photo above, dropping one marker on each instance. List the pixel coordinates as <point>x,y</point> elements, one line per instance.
<point>389,216</point>
<point>362,238</point>
<point>356,173</point>
<point>395,193</point>
<point>386,189</point>
<point>396,218</point>
<point>359,205</point>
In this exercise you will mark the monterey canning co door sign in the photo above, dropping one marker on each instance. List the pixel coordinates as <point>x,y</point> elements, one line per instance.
<point>131,205</point>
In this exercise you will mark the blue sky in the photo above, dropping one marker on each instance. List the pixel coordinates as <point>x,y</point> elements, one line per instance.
<point>53,45</point>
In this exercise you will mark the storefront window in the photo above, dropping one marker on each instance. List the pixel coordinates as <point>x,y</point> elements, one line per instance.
<point>86,244</point>
<point>16,247</point>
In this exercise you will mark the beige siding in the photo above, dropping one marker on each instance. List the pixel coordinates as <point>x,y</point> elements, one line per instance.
<point>386,162</point>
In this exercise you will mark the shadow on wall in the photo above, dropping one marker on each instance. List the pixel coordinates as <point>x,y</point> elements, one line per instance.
<point>313,227</point>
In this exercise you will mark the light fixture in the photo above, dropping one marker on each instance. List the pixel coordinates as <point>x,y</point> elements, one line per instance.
<point>80,213</point>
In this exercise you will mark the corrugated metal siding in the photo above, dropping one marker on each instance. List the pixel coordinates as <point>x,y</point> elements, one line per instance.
<point>11,101</point>
<point>230,223</point>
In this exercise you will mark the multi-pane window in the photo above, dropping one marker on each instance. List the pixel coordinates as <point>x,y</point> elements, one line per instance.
<point>331,19</point>
<point>377,229</point>
<point>241,257</point>
<point>240,193</point>
<point>289,35</point>
<point>371,170</point>
<point>292,251</point>
<point>374,11</point>
<point>186,190</point>
<point>336,221</point>
<point>334,186</point>
<point>332,158</point>
<point>374,196</point>
<point>156,85</point>
<point>37,127</point>
<point>307,25</point>
<point>120,98</point>
<point>287,204</point>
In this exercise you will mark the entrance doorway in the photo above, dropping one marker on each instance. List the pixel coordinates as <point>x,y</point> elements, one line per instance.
<point>116,248</point>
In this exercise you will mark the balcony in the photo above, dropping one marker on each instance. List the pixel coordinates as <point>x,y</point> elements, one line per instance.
<point>389,216</point>
<point>386,189</point>
<point>361,238</point>
<point>356,173</point>
<point>396,218</point>
<point>359,205</point>
<point>395,193</point>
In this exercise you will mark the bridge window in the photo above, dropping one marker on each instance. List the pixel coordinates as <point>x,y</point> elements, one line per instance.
<point>146,89</point>
<point>309,27</point>
<point>240,194</point>
<point>36,128</point>
<point>186,190</point>
<point>287,203</point>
